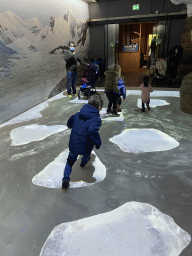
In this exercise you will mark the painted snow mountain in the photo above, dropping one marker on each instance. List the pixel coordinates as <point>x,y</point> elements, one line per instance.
<point>35,36</point>
<point>12,27</point>
<point>28,40</point>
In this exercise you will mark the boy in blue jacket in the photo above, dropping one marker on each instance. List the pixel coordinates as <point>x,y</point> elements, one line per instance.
<point>84,135</point>
<point>122,92</point>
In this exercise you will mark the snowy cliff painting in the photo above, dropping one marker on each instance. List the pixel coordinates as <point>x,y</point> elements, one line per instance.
<point>26,41</point>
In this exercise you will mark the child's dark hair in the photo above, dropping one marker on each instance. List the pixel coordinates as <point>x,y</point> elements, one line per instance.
<point>71,42</point>
<point>146,81</point>
<point>96,100</point>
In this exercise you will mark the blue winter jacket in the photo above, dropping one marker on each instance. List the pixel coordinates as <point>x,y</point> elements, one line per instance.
<point>85,125</point>
<point>121,86</point>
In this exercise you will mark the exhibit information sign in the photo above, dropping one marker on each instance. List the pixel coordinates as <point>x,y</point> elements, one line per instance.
<point>130,48</point>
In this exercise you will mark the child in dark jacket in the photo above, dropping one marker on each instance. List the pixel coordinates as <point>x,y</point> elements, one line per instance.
<point>84,135</point>
<point>122,92</point>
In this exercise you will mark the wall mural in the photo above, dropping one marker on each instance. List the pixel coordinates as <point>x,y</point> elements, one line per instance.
<point>28,34</point>
<point>24,39</point>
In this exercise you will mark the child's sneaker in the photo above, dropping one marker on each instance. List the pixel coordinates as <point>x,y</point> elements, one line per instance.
<point>148,108</point>
<point>70,96</point>
<point>115,114</point>
<point>82,165</point>
<point>109,111</point>
<point>143,109</point>
<point>65,184</point>
<point>75,95</point>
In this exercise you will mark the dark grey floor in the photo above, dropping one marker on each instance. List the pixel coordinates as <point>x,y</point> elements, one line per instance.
<point>29,213</point>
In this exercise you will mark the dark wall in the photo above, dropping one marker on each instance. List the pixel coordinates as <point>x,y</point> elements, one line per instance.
<point>97,41</point>
<point>124,8</point>
<point>176,30</point>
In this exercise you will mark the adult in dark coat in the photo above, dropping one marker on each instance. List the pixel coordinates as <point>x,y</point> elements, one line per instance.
<point>71,58</point>
<point>85,125</point>
<point>175,54</point>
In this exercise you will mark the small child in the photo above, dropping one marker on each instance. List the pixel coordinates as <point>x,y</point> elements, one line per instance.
<point>84,135</point>
<point>122,92</point>
<point>111,89</point>
<point>146,89</point>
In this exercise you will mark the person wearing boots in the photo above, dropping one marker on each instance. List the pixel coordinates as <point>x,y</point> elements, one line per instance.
<point>85,125</point>
<point>146,89</point>
<point>122,92</point>
<point>111,89</point>
<point>71,58</point>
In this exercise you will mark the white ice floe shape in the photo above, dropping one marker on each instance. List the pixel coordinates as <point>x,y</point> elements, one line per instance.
<point>106,117</point>
<point>33,113</point>
<point>144,140</point>
<point>154,103</point>
<point>51,176</point>
<point>132,229</point>
<point>155,93</point>
<point>26,134</point>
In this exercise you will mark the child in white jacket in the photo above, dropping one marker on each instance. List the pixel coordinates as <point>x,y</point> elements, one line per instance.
<point>146,89</point>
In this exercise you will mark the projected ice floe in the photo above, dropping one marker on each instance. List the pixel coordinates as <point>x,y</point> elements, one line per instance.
<point>155,93</point>
<point>107,117</point>
<point>51,176</point>
<point>26,134</point>
<point>32,113</point>
<point>144,140</point>
<point>153,103</point>
<point>103,112</point>
<point>132,229</point>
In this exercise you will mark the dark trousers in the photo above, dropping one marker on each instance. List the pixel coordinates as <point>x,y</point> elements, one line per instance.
<point>173,71</point>
<point>72,157</point>
<point>143,105</point>
<point>112,98</point>
<point>71,81</point>
<point>119,100</point>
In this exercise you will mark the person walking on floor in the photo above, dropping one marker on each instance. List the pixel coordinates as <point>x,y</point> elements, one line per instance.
<point>111,89</point>
<point>71,58</point>
<point>146,89</point>
<point>85,125</point>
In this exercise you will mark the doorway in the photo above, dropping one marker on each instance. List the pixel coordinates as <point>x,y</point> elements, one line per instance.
<point>141,34</point>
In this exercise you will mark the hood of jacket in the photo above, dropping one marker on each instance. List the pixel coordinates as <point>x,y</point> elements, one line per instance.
<point>120,82</point>
<point>110,74</point>
<point>88,112</point>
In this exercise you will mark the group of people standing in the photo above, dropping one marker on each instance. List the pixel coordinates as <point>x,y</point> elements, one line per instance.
<point>86,123</point>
